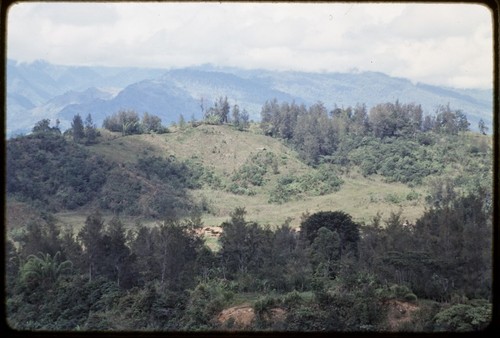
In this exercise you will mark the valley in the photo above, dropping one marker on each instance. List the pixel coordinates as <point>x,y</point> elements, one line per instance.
<point>225,224</point>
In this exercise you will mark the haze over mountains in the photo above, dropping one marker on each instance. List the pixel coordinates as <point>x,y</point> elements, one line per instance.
<point>42,90</point>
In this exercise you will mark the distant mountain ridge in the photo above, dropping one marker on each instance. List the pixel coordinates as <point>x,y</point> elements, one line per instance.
<point>42,90</point>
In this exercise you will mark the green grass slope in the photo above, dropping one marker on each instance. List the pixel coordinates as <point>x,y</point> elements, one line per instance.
<point>225,150</point>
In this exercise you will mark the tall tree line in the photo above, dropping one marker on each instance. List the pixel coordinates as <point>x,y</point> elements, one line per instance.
<point>317,132</point>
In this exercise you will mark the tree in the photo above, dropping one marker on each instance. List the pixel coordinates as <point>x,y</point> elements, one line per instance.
<point>143,248</point>
<point>313,134</point>
<point>130,122</point>
<point>90,130</point>
<point>91,236</point>
<point>236,116</point>
<point>175,254</point>
<point>416,118</point>
<point>77,128</point>
<point>457,235</point>
<point>288,120</point>
<point>325,252</point>
<point>449,121</point>
<point>382,120</point>
<point>360,122</point>
<point>219,113</point>
<point>462,122</point>
<point>482,127</point>
<point>71,249</point>
<point>268,117</point>
<point>428,123</point>
<point>40,236</point>
<point>245,119</point>
<point>242,244</point>
<point>342,121</point>
<point>125,121</point>
<point>224,109</point>
<point>151,123</point>
<point>43,269</point>
<point>182,122</point>
<point>12,266</point>
<point>338,221</point>
<point>43,127</point>
<point>119,262</point>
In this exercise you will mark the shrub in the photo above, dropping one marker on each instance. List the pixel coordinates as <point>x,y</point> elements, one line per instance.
<point>264,304</point>
<point>256,167</point>
<point>240,190</point>
<point>393,198</point>
<point>292,299</point>
<point>464,317</point>
<point>319,182</point>
<point>286,189</point>
<point>412,195</point>
<point>410,297</point>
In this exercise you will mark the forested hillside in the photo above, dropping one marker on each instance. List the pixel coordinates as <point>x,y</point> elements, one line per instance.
<point>346,219</point>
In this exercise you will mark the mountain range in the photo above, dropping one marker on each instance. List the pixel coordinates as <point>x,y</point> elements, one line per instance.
<point>40,90</point>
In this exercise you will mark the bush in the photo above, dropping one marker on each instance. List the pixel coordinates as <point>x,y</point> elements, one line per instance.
<point>253,172</point>
<point>412,195</point>
<point>292,299</point>
<point>240,190</point>
<point>286,189</point>
<point>264,304</point>
<point>393,198</point>
<point>179,174</point>
<point>319,182</point>
<point>464,317</point>
<point>410,297</point>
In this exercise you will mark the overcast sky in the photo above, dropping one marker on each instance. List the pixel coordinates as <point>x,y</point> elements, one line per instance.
<point>438,44</point>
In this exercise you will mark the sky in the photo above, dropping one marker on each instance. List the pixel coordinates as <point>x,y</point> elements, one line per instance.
<point>440,44</point>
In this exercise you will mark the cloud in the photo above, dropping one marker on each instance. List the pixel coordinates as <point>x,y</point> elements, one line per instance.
<point>435,43</point>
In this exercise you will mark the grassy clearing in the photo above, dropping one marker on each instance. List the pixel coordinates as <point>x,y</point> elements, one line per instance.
<point>220,147</point>
<point>361,197</point>
<point>224,150</point>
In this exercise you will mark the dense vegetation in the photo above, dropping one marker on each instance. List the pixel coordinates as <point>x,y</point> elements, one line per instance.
<point>332,273</point>
<point>54,174</point>
<point>129,123</point>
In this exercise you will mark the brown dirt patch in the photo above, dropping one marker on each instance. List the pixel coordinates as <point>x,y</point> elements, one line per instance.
<point>237,317</point>
<point>241,317</point>
<point>399,313</point>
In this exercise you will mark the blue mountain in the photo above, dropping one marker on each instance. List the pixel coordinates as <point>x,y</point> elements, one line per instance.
<point>42,90</point>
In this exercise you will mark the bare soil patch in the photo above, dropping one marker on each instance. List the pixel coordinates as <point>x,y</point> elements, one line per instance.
<point>241,317</point>
<point>237,317</point>
<point>400,313</point>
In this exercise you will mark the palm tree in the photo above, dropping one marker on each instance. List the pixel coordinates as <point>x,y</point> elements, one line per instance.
<point>44,269</point>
